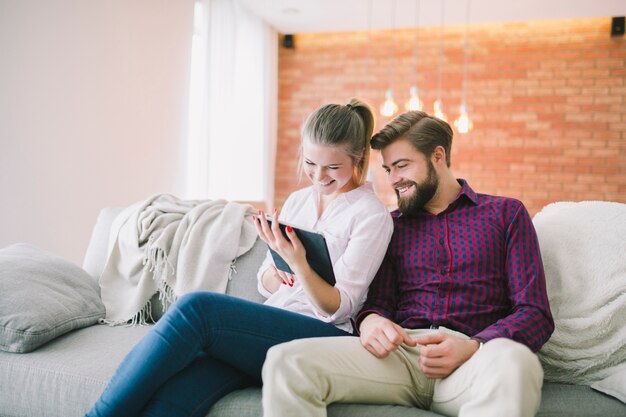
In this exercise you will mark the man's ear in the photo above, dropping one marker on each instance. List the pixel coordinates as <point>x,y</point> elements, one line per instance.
<point>438,155</point>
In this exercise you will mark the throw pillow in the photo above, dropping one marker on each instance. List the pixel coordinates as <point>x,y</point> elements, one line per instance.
<point>42,297</point>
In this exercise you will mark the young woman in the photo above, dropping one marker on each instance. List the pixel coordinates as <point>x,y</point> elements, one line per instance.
<point>209,344</point>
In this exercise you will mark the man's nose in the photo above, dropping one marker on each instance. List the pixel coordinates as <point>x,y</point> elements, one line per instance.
<point>394,178</point>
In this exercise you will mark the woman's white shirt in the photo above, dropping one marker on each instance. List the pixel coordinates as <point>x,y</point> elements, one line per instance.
<point>357,228</point>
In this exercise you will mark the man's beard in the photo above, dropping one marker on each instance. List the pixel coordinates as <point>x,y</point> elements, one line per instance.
<point>422,193</point>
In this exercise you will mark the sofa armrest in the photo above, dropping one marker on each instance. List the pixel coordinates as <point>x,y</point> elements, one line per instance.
<point>95,256</point>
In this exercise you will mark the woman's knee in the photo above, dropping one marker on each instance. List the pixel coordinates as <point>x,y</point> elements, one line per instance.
<point>203,302</point>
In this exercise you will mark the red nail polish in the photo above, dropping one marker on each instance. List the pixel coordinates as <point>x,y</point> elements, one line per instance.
<point>259,210</point>
<point>289,229</point>
<point>254,218</point>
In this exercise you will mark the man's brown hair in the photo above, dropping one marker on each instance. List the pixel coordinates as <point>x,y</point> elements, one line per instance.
<point>424,132</point>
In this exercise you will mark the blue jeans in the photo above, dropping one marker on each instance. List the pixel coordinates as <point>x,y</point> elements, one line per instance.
<point>204,347</point>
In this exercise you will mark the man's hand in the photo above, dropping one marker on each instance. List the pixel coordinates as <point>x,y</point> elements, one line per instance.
<point>441,353</point>
<point>381,336</point>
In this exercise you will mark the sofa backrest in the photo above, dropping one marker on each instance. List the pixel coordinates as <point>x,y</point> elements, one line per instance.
<point>243,282</point>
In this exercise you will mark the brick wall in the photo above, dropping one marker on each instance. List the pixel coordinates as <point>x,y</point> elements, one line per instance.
<point>547,100</point>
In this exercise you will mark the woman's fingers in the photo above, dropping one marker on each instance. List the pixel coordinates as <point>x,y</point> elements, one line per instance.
<point>259,228</point>
<point>293,239</point>
<point>286,277</point>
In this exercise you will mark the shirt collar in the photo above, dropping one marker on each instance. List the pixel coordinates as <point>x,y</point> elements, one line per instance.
<point>466,191</point>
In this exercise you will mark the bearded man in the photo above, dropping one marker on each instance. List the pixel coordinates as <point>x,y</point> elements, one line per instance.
<point>456,312</point>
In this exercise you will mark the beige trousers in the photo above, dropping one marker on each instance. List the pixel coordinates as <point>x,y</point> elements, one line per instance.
<point>302,377</point>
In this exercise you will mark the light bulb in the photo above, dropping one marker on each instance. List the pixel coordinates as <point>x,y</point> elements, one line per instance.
<point>414,102</point>
<point>438,110</point>
<point>389,107</point>
<point>463,124</point>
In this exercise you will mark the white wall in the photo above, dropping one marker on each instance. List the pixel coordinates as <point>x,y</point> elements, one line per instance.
<point>93,98</point>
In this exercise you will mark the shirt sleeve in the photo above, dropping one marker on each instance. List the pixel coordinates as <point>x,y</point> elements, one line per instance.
<point>357,266</point>
<point>530,320</point>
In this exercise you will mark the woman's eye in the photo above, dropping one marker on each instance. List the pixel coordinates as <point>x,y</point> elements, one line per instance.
<point>333,168</point>
<point>309,163</point>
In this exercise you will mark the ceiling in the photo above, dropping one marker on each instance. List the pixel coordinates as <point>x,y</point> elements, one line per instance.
<point>302,16</point>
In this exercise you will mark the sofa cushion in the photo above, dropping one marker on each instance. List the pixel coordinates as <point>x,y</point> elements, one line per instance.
<point>42,297</point>
<point>65,377</point>
<point>557,400</point>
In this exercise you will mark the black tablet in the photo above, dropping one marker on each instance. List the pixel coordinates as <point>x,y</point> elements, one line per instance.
<point>317,254</point>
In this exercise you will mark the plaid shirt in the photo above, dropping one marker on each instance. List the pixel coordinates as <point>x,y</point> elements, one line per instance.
<point>474,268</point>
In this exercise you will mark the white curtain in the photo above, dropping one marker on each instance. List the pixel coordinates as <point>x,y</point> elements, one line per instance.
<point>233,100</point>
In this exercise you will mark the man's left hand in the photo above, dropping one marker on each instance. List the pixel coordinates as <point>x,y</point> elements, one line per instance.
<point>442,353</point>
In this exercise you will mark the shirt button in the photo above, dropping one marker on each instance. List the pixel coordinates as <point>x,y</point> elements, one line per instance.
<point>441,242</point>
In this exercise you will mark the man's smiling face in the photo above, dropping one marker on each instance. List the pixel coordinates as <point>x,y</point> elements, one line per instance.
<point>411,174</point>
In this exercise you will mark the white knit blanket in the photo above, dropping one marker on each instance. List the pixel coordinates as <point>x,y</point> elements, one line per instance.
<point>583,246</point>
<point>171,247</point>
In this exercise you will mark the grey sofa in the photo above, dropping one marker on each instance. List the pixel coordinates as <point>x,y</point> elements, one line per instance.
<point>64,377</point>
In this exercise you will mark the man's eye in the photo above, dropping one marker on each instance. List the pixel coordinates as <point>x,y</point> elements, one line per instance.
<point>333,168</point>
<point>401,166</point>
<point>387,170</point>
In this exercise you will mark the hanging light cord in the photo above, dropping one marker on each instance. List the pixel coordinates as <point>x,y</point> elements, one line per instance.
<point>392,50</point>
<point>466,50</point>
<point>417,49</point>
<point>440,51</point>
<point>369,43</point>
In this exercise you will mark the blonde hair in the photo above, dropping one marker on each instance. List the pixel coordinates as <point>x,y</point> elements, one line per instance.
<point>349,126</point>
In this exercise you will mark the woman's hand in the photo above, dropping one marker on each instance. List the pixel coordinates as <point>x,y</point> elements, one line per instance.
<point>324,297</point>
<point>291,250</point>
<point>272,279</point>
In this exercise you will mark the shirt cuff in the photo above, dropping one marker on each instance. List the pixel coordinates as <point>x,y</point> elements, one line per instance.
<point>342,315</point>
<point>365,313</point>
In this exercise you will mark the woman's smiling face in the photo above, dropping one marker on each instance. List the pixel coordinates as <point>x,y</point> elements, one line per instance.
<point>330,168</point>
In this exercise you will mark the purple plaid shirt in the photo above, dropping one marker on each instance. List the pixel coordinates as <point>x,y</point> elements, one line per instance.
<point>474,268</point>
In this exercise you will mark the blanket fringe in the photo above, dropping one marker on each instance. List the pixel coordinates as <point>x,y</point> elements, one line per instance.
<point>157,262</point>
<point>142,318</point>
<point>167,297</point>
